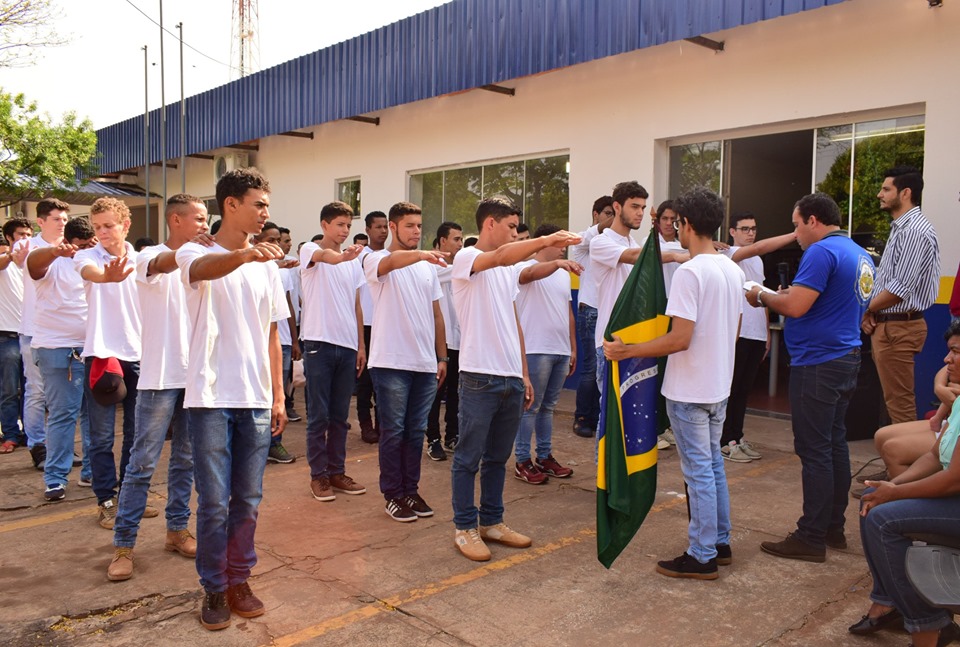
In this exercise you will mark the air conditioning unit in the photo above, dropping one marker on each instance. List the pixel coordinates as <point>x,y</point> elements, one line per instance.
<point>223,164</point>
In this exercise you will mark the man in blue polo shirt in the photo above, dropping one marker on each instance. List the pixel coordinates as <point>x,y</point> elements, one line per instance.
<point>824,307</point>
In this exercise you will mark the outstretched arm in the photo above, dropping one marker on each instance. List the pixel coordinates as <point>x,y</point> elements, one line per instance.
<point>513,253</point>
<point>40,260</point>
<point>764,246</point>
<point>541,271</point>
<point>404,258</point>
<point>214,266</point>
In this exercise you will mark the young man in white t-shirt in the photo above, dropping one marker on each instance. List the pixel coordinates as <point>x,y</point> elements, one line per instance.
<point>665,215</point>
<point>163,377</point>
<point>290,275</point>
<point>52,216</point>
<point>377,232</point>
<point>11,305</point>
<point>109,278</point>
<point>449,241</point>
<point>551,346</point>
<point>408,357</point>
<point>494,384</point>
<point>705,304</point>
<point>234,393</point>
<point>333,349</point>
<point>60,314</point>
<point>754,341</point>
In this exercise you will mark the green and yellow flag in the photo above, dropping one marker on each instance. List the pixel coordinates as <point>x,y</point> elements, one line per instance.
<point>632,411</point>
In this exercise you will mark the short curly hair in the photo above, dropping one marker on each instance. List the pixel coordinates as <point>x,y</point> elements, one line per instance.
<point>102,205</point>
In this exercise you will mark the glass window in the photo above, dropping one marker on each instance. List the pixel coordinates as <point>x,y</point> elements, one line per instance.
<point>694,165</point>
<point>349,191</point>
<point>832,172</point>
<point>539,186</point>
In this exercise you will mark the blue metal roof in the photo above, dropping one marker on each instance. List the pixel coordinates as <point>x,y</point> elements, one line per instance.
<point>458,46</point>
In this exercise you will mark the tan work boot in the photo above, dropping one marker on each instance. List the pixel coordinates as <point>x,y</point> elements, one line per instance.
<point>503,534</point>
<point>121,568</point>
<point>470,544</point>
<point>181,541</point>
<point>149,512</point>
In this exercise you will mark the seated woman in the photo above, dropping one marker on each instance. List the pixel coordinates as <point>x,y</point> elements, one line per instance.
<point>923,499</point>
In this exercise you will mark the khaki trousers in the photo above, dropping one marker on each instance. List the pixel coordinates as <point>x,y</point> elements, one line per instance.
<point>895,343</point>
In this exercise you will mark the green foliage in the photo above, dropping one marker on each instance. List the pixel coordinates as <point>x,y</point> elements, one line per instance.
<point>39,156</point>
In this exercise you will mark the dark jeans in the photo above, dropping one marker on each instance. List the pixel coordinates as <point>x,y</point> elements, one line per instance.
<point>749,354</point>
<point>819,395</point>
<point>405,398</point>
<point>489,420</point>
<point>449,390</point>
<point>588,396</point>
<point>102,422</point>
<point>230,453</point>
<point>365,394</point>
<point>11,370</point>
<point>330,371</point>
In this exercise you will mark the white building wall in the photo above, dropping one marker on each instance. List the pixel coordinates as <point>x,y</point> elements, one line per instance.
<point>860,60</point>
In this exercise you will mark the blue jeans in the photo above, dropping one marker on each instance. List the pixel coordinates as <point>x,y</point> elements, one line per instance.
<point>331,372</point>
<point>547,374</point>
<point>601,372</point>
<point>884,534</point>
<point>34,402</point>
<point>287,366</point>
<point>230,453</point>
<point>697,428</point>
<point>404,399</point>
<point>62,371</point>
<point>10,370</point>
<point>156,410</point>
<point>102,422</point>
<point>819,395</point>
<point>490,410</point>
<point>588,397</point>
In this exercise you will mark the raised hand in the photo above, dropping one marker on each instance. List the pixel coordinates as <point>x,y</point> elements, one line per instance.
<point>65,250</point>
<point>351,252</point>
<point>203,239</point>
<point>262,252</point>
<point>116,270</point>
<point>563,239</point>
<point>435,257</point>
<point>570,266</point>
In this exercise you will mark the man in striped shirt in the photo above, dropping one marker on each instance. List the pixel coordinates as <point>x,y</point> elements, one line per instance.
<point>907,284</point>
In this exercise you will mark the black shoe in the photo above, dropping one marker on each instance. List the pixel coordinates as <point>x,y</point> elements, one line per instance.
<point>874,476</point>
<point>214,614</point>
<point>416,503</point>
<point>868,625</point>
<point>368,434</point>
<point>724,555</point>
<point>949,634</point>
<point>836,540</point>
<point>582,429</point>
<point>293,416</point>
<point>77,461</point>
<point>243,602</point>
<point>450,444</point>
<point>435,451</point>
<point>793,548</point>
<point>399,511</point>
<point>54,493</point>
<point>688,567</point>
<point>279,454</point>
<point>39,455</point>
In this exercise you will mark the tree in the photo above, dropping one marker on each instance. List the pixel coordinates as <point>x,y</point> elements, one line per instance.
<point>25,26</point>
<point>38,156</point>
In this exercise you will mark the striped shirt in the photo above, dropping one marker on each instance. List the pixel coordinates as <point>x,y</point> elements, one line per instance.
<point>910,266</point>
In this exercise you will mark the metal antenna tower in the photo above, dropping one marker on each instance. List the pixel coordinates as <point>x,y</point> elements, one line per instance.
<point>244,38</point>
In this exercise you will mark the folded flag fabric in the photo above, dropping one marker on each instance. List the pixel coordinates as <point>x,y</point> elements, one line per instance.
<point>632,411</point>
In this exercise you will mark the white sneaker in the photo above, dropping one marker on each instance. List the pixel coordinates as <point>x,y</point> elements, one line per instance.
<point>668,436</point>
<point>733,452</point>
<point>748,449</point>
<point>662,443</point>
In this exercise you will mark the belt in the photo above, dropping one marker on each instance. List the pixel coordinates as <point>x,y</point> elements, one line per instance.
<point>897,316</point>
<point>8,334</point>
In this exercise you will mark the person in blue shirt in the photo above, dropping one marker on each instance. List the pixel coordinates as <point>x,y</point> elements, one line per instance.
<point>824,306</point>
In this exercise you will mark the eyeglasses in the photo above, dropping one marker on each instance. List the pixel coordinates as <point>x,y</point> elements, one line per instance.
<point>746,230</point>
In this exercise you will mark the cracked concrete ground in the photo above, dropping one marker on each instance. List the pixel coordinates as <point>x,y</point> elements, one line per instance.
<point>345,573</point>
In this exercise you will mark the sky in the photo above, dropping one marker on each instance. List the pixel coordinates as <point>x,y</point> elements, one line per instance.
<point>99,73</point>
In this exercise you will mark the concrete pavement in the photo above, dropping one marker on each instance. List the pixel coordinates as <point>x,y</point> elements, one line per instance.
<point>344,573</point>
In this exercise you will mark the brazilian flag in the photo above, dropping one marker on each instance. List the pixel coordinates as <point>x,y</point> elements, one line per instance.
<point>632,411</point>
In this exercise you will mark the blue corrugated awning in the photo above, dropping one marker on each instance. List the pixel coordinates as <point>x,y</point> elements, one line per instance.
<point>458,46</point>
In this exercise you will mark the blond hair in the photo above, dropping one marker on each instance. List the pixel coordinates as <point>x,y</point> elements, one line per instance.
<point>102,205</point>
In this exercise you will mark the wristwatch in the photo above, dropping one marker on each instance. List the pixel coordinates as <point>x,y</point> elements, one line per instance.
<point>443,359</point>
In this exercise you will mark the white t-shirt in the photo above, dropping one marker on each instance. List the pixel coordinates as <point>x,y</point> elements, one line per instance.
<point>404,333</point>
<point>609,274</point>
<point>29,286</point>
<point>329,300</point>
<point>113,314</point>
<point>164,326</point>
<point>489,339</point>
<point>708,290</point>
<point>544,309</point>
<point>283,327</point>
<point>754,325</point>
<point>366,301</point>
<point>669,269</point>
<point>230,321</point>
<point>60,312</point>
<point>450,322</point>
<point>295,291</point>
<point>580,253</point>
<point>11,297</point>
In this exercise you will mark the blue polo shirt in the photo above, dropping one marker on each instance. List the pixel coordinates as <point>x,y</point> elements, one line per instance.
<point>842,272</point>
